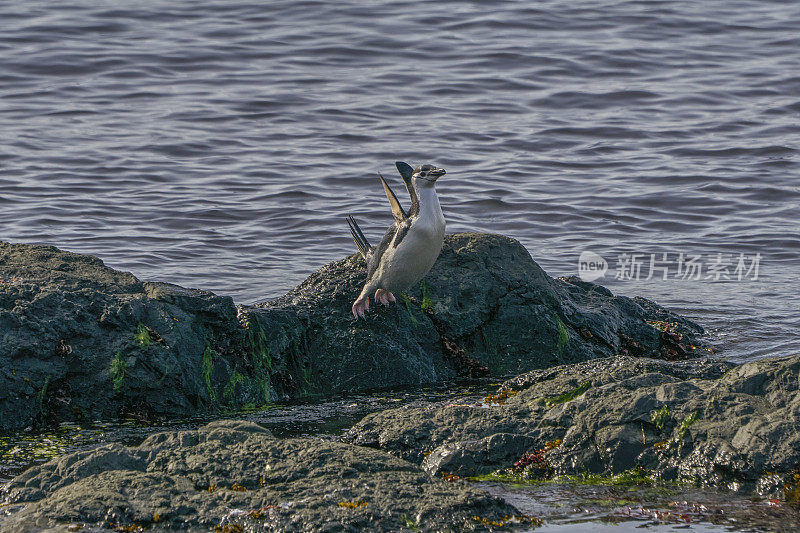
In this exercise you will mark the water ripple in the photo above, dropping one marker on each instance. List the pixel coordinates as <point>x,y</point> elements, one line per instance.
<point>219,144</point>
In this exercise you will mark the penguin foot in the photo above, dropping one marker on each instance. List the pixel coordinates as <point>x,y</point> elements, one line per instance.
<point>383,296</point>
<point>360,306</point>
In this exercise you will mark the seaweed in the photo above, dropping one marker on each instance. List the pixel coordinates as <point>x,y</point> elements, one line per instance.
<point>208,370</point>
<point>117,371</point>
<point>230,388</point>
<point>261,360</point>
<point>413,525</point>
<point>499,398</point>
<point>632,476</point>
<point>427,303</point>
<point>686,424</point>
<point>791,488</point>
<point>567,396</point>
<point>42,394</point>
<point>142,336</point>
<point>660,417</point>
<point>563,336</point>
<point>352,505</point>
<point>407,300</point>
<point>508,519</point>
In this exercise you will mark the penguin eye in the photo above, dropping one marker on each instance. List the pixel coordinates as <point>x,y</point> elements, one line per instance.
<point>423,174</point>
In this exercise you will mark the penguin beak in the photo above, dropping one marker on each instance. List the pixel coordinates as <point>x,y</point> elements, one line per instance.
<point>437,172</point>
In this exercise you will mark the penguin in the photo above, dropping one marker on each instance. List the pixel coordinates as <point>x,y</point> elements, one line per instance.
<point>412,243</point>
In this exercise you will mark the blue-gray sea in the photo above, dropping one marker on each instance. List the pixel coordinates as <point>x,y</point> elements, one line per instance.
<point>219,145</point>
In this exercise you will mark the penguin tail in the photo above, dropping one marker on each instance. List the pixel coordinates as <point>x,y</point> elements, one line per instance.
<point>364,248</point>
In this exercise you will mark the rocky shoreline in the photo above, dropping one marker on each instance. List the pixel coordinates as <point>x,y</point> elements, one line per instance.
<point>603,393</point>
<point>230,475</point>
<point>619,420</point>
<point>700,423</point>
<point>80,341</point>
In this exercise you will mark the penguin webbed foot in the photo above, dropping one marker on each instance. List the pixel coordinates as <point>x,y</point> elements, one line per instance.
<point>361,306</point>
<point>384,297</point>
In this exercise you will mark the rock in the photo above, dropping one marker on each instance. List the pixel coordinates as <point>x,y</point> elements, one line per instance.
<point>486,306</point>
<point>232,473</point>
<point>412,432</point>
<point>478,457</point>
<point>709,423</point>
<point>81,341</point>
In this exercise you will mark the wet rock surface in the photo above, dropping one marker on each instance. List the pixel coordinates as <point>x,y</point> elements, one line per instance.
<point>80,341</point>
<point>236,475</point>
<point>485,307</point>
<point>701,422</point>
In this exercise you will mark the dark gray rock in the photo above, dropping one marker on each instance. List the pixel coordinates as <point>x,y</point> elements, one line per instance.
<point>412,432</point>
<point>478,457</point>
<point>80,341</point>
<point>487,307</point>
<point>710,423</point>
<point>234,472</point>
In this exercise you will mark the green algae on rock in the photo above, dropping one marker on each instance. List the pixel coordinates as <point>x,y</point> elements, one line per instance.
<point>235,473</point>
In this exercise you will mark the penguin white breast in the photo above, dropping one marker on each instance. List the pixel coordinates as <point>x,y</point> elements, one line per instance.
<point>409,261</point>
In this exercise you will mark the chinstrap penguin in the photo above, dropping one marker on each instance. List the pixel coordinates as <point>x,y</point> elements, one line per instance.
<point>411,244</point>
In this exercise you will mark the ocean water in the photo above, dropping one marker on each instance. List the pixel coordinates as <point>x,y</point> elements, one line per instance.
<point>219,144</point>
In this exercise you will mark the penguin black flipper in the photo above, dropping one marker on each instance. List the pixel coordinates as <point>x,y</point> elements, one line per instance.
<point>407,172</point>
<point>364,248</point>
<point>397,210</point>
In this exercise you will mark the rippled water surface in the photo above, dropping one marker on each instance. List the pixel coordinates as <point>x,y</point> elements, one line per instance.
<point>219,144</point>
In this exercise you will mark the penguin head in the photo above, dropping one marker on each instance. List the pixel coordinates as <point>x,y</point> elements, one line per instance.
<point>423,173</point>
<point>428,173</point>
